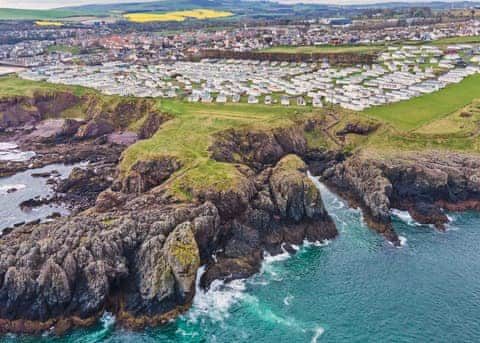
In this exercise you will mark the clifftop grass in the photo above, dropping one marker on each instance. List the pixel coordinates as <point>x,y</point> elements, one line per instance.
<point>190,133</point>
<point>413,113</point>
<point>434,121</point>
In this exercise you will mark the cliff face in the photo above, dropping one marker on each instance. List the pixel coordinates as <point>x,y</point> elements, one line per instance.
<point>137,252</point>
<point>101,115</point>
<point>17,111</point>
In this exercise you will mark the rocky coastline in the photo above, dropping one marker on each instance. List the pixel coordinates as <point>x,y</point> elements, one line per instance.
<point>133,248</point>
<point>422,183</point>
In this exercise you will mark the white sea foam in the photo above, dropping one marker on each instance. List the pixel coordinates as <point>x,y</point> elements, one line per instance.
<point>5,188</point>
<point>10,152</point>
<point>215,303</point>
<point>318,244</point>
<point>287,300</point>
<point>16,156</point>
<point>268,259</point>
<point>403,241</point>
<point>318,332</point>
<point>8,146</point>
<point>107,320</point>
<point>405,217</point>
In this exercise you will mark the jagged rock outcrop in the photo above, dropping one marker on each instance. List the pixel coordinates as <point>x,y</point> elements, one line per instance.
<point>286,209</point>
<point>94,128</point>
<point>135,263</point>
<point>258,149</point>
<point>421,183</point>
<point>358,179</point>
<point>145,175</point>
<point>101,115</point>
<point>151,125</point>
<point>358,128</point>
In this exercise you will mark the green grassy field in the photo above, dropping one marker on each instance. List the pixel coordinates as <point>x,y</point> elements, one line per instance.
<point>14,86</point>
<point>19,14</point>
<point>361,48</point>
<point>411,114</point>
<point>457,40</point>
<point>332,49</point>
<point>64,48</point>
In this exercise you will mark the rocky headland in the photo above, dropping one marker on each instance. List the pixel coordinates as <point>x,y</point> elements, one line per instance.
<point>136,242</point>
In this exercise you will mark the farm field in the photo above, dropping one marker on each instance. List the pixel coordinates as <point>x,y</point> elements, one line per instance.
<point>46,15</point>
<point>413,113</point>
<point>48,23</point>
<point>200,14</point>
<point>360,48</point>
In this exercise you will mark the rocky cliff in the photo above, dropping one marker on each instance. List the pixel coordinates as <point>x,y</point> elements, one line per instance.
<point>98,115</point>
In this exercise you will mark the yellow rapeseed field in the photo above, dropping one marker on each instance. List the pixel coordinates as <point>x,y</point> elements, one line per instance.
<point>48,23</point>
<point>176,16</point>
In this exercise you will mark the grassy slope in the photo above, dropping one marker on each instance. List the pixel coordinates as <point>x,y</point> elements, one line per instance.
<point>14,86</point>
<point>410,114</point>
<point>188,136</point>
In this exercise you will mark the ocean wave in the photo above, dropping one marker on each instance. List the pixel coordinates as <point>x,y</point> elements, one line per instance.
<point>405,217</point>
<point>318,332</point>
<point>16,155</point>
<point>287,300</point>
<point>265,314</point>
<point>107,320</point>
<point>268,259</point>
<point>318,244</point>
<point>8,146</point>
<point>403,241</point>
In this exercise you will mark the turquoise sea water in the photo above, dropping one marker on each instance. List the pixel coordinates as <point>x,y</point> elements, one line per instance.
<point>357,288</point>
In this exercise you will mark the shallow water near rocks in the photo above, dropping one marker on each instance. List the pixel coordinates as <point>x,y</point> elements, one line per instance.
<point>27,187</point>
<point>357,288</point>
<point>10,152</point>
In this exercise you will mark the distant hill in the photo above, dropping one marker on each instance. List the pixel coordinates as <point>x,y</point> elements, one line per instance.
<point>239,7</point>
<point>250,8</point>
<point>254,5</point>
